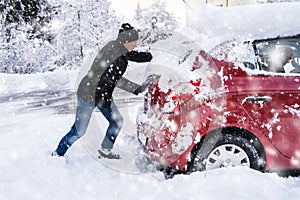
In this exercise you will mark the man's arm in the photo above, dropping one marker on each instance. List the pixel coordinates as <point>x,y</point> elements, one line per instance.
<point>127,85</point>
<point>134,88</point>
<point>136,56</point>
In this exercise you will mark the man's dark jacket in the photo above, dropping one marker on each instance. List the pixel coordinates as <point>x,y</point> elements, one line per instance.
<point>106,73</point>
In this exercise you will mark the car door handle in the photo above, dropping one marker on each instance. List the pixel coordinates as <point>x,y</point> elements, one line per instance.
<point>259,99</point>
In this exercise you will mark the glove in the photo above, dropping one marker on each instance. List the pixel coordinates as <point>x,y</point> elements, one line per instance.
<point>146,83</point>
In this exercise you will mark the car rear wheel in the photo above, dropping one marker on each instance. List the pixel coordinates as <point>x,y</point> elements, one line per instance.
<point>224,151</point>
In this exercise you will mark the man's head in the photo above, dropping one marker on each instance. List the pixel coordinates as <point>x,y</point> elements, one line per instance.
<point>128,36</point>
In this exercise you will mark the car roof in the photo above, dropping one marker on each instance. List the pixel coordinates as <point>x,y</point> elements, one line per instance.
<point>276,38</point>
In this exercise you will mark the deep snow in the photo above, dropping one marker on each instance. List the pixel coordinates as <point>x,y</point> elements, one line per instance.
<point>37,110</point>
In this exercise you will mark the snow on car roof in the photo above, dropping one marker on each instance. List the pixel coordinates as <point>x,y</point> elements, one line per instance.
<point>211,25</point>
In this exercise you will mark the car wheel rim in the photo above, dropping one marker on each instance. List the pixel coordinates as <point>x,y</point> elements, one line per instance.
<point>227,155</point>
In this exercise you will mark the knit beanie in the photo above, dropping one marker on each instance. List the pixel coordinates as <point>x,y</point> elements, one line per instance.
<point>127,33</point>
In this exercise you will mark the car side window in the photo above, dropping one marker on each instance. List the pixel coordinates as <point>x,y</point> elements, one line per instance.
<point>279,55</point>
<point>295,63</point>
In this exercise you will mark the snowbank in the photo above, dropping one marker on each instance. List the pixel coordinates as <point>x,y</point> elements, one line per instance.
<point>12,83</point>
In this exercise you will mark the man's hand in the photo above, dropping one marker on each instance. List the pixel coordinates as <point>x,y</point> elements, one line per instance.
<point>146,83</point>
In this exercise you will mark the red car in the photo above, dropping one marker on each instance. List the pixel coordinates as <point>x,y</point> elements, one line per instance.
<point>245,111</point>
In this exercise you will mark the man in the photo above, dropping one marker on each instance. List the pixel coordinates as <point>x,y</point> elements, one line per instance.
<point>96,88</point>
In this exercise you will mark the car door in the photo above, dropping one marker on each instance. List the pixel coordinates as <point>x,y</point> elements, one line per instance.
<point>273,103</point>
<point>272,99</point>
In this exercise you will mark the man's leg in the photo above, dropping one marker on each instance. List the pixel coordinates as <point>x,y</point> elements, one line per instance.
<point>83,115</point>
<point>115,119</point>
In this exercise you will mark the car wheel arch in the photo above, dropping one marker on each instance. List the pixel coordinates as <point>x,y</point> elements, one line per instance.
<point>214,135</point>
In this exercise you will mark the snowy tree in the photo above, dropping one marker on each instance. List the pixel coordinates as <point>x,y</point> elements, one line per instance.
<point>156,22</point>
<point>138,9</point>
<point>98,23</point>
<point>33,13</point>
<point>23,35</point>
<point>80,27</point>
<point>37,37</point>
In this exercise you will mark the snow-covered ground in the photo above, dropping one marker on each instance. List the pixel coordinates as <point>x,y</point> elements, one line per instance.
<point>37,110</point>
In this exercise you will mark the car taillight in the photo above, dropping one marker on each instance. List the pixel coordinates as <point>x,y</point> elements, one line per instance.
<point>155,97</point>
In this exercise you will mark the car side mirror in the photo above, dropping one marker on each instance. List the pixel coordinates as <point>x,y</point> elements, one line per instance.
<point>249,65</point>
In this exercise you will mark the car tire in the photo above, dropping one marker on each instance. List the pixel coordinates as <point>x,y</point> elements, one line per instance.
<point>224,151</point>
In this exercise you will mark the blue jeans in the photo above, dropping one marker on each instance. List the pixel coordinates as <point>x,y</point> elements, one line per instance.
<point>83,115</point>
